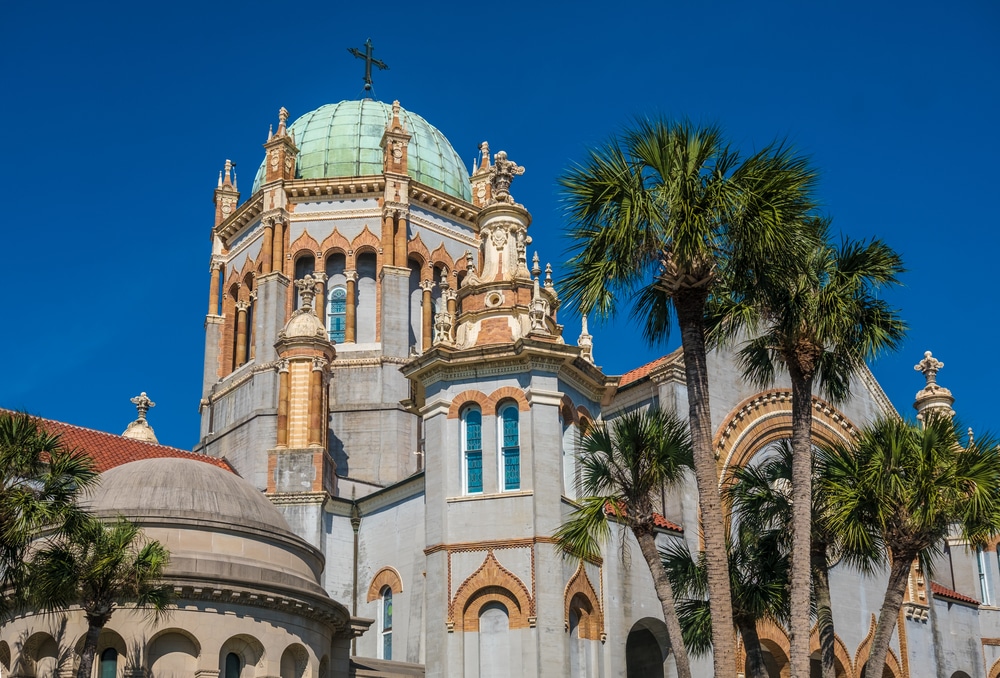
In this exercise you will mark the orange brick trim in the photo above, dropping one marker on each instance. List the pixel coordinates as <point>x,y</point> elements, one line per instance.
<point>841,657</point>
<point>508,393</point>
<point>417,250</point>
<point>303,245</point>
<point>335,243</point>
<point>466,397</point>
<point>492,582</point>
<point>440,257</point>
<point>580,596</point>
<point>766,418</point>
<point>366,241</point>
<point>568,412</point>
<point>864,648</point>
<point>387,576</point>
<point>994,671</point>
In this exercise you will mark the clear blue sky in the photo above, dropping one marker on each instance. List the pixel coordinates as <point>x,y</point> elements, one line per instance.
<point>118,118</point>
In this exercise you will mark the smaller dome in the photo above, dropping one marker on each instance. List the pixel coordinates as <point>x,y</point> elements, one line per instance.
<point>173,487</point>
<point>304,323</point>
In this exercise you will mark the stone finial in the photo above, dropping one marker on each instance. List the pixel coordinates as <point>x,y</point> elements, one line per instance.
<point>501,175</point>
<point>536,270</point>
<point>585,342</point>
<point>929,366</point>
<point>282,116</point>
<point>140,428</point>
<point>142,404</point>
<point>227,173</point>
<point>307,291</point>
<point>484,154</point>
<point>548,276</point>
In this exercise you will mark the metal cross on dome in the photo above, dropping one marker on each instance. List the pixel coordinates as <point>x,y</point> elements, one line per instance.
<point>369,62</point>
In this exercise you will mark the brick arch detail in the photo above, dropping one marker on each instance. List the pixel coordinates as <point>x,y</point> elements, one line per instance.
<point>508,393</point>
<point>994,671</point>
<point>569,413</point>
<point>335,243</point>
<point>440,257</point>
<point>840,652</point>
<point>864,649</point>
<point>766,418</point>
<point>417,250</point>
<point>492,582</point>
<point>366,239</point>
<point>304,244</point>
<point>466,397</point>
<point>387,576</point>
<point>579,586</point>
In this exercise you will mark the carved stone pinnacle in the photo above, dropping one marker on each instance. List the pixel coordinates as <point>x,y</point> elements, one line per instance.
<point>142,404</point>
<point>501,175</point>
<point>929,366</point>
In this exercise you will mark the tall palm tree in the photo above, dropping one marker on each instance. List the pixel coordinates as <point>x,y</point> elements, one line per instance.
<point>101,567</point>
<point>623,467</point>
<point>902,487</point>
<point>40,480</point>
<point>760,498</point>
<point>758,566</point>
<point>815,317</point>
<point>656,216</point>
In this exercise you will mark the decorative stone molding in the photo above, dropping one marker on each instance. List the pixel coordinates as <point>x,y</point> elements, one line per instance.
<point>492,582</point>
<point>488,404</point>
<point>579,595</point>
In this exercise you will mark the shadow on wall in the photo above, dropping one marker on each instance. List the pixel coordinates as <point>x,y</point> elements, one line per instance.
<point>340,458</point>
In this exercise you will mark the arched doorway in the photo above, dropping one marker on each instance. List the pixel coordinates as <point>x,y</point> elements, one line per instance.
<point>646,649</point>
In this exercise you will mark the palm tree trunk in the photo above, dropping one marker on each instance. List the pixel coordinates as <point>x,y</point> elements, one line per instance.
<point>94,626</point>
<point>899,574</point>
<point>751,643</point>
<point>800,579</point>
<point>690,307</point>
<point>647,544</point>
<point>824,610</point>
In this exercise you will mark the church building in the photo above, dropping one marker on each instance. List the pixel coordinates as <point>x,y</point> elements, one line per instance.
<point>391,410</point>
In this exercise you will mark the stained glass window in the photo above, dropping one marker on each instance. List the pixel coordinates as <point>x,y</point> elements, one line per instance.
<point>386,623</point>
<point>473,450</point>
<point>511,450</point>
<point>337,314</point>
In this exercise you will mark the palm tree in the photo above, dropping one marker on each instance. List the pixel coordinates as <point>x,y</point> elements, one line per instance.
<point>622,470</point>
<point>40,480</point>
<point>758,566</point>
<point>100,567</point>
<point>902,488</point>
<point>760,498</point>
<point>657,215</point>
<point>817,316</point>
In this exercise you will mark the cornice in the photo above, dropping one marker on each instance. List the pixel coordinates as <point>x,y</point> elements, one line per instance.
<point>243,215</point>
<point>334,215</point>
<point>442,203</point>
<point>301,190</point>
<point>434,227</point>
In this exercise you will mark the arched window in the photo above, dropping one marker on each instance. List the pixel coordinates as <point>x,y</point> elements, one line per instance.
<point>233,666</point>
<point>494,641</point>
<point>109,663</point>
<point>304,265</point>
<point>336,314</point>
<point>472,444</point>
<point>510,448</point>
<point>385,624</point>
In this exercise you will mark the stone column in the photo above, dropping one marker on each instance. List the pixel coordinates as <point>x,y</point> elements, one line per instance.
<point>278,246</point>
<point>267,248</point>
<point>400,239</point>
<point>316,403</point>
<point>427,308</point>
<point>241,333</point>
<point>452,298</point>
<point>351,319</point>
<point>252,326</point>
<point>388,248</point>
<point>320,302</point>
<point>282,404</point>
<point>213,287</point>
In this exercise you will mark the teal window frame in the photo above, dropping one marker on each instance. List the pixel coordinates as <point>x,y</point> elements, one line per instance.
<point>510,447</point>
<point>472,450</point>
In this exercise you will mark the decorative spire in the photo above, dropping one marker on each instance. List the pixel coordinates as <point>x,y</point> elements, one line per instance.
<point>282,119</point>
<point>369,62</point>
<point>484,153</point>
<point>307,292</point>
<point>536,270</point>
<point>501,175</point>
<point>548,276</point>
<point>932,397</point>
<point>227,178</point>
<point>585,342</point>
<point>929,366</point>
<point>140,428</point>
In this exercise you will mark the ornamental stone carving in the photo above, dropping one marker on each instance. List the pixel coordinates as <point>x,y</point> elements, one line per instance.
<point>502,173</point>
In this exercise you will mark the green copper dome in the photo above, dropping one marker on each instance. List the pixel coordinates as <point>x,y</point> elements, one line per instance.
<point>342,140</point>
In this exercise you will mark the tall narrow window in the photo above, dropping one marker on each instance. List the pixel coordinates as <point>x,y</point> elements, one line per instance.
<point>336,314</point>
<point>385,649</point>
<point>109,663</point>
<point>473,453</point>
<point>511,448</point>
<point>233,665</point>
<point>984,585</point>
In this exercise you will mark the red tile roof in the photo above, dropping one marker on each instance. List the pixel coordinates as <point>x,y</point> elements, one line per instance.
<point>943,592</point>
<point>644,370</point>
<point>109,450</point>
<point>658,520</point>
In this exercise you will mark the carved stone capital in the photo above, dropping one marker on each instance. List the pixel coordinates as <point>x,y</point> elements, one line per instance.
<point>352,276</point>
<point>427,285</point>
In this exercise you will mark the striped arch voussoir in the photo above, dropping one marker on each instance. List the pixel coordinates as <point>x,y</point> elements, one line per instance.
<point>387,576</point>
<point>508,393</point>
<point>580,595</point>
<point>465,398</point>
<point>491,583</point>
<point>366,240</point>
<point>766,418</point>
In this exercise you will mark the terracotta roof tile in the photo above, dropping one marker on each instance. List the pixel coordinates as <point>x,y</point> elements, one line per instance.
<point>658,520</point>
<point>109,450</point>
<point>644,371</point>
<point>953,595</point>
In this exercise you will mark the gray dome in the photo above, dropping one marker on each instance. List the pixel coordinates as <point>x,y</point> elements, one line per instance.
<point>184,488</point>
